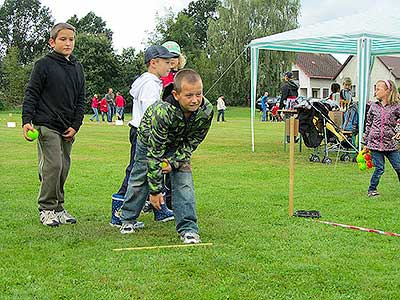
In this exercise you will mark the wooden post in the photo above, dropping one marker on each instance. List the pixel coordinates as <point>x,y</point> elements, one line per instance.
<point>291,169</point>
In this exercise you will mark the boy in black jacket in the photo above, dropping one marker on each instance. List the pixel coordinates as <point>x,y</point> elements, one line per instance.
<point>54,103</point>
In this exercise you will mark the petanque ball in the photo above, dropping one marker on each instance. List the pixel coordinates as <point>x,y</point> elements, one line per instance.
<point>33,134</point>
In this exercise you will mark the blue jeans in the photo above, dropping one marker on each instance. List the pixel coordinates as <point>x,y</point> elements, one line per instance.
<point>378,158</point>
<point>120,113</point>
<point>183,200</point>
<point>264,115</point>
<point>109,112</point>
<point>132,139</point>
<point>221,112</point>
<point>95,114</point>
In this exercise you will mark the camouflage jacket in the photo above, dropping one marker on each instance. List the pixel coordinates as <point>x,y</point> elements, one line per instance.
<point>168,134</point>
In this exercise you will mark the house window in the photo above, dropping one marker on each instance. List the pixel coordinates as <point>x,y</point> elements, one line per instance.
<point>353,90</point>
<point>295,75</point>
<point>325,93</point>
<point>315,93</point>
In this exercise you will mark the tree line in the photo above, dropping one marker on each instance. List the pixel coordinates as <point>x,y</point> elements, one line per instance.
<point>211,33</point>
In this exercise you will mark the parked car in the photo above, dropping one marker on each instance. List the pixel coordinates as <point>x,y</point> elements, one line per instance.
<point>271,102</point>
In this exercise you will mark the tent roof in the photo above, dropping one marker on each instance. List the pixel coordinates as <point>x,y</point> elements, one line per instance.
<point>340,35</point>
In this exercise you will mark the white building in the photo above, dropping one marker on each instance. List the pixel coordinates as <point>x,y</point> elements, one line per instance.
<point>385,67</point>
<point>315,73</point>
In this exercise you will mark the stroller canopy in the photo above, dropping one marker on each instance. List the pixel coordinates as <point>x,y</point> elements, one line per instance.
<point>365,35</point>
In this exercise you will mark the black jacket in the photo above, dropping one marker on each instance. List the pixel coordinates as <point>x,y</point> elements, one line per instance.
<point>288,89</point>
<point>55,94</point>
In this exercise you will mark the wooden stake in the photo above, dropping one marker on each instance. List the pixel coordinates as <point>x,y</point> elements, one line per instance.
<point>291,169</point>
<point>163,247</point>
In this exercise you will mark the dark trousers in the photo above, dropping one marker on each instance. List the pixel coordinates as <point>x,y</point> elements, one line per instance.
<point>378,158</point>
<point>132,139</point>
<point>221,112</point>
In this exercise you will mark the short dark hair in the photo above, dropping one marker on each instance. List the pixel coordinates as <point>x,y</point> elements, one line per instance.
<point>188,75</point>
<point>58,27</point>
<point>335,87</point>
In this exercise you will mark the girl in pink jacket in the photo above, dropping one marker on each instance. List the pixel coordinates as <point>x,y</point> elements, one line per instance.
<point>382,131</point>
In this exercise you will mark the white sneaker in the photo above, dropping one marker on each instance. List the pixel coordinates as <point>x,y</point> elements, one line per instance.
<point>65,218</point>
<point>49,218</point>
<point>127,228</point>
<point>190,237</point>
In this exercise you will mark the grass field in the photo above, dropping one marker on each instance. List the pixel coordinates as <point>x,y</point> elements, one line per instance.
<point>258,252</point>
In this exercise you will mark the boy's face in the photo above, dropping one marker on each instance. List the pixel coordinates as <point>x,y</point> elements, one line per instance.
<point>346,86</point>
<point>161,66</point>
<point>64,42</point>
<point>190,96</point>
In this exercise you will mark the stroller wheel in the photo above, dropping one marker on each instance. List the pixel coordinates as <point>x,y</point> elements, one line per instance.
<point>314,158</point>
<point>341,157</point>
<point>346,157</point>
<point>326,160</point>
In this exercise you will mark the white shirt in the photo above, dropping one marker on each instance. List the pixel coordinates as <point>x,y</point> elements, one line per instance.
<point>145,91</point>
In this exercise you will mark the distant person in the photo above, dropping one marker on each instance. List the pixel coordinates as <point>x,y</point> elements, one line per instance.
<point>110,97</point>
<point>184,119</point>
<point>120,104</point>
<point>221,108</point>
<point>289,91</point>
<point>54,103</point>
<point>274,113</point>
<point>264,107</point>
<point>145,90</point>
<point>346,96</point>
<point>335,93</point>
<point>381,135</point>
<point>95,106</point>
<point>103,109</point>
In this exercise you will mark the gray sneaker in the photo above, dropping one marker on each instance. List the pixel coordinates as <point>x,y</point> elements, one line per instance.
<point>127,228</point>
<point>190,237</point>
<point>373,194</point>
<point>49,218</point>
<point>65,218</point>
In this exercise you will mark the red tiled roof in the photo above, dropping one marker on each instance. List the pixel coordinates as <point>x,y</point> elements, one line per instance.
<point>316,65</point>
<point>392,63</point>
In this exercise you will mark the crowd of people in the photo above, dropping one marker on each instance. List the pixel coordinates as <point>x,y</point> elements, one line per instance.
<point>170,118</point>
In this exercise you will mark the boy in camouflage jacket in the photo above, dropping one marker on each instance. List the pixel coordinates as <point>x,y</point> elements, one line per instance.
<point>169,133</point>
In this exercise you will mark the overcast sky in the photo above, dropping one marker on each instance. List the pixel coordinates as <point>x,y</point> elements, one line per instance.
<point>130,20</point>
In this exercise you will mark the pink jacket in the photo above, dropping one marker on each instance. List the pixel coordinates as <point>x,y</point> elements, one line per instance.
<point>380,127</point>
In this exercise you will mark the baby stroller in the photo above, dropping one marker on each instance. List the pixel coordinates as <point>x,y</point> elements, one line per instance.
<point>316,126</point>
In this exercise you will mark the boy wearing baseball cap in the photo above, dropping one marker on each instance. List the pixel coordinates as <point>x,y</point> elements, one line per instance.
<point>145,90</point>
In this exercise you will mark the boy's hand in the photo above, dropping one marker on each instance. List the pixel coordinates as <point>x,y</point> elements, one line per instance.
<point>26,128</point>
<point>69,134</point>
<point>156,200</point>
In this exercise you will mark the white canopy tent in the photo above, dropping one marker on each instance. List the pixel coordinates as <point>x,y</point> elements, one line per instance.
<point>366,35</point>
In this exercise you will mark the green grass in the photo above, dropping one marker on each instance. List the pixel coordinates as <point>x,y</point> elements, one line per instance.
<point>258,252</point>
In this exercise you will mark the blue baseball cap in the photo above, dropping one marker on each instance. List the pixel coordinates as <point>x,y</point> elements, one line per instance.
<point>157,52</point>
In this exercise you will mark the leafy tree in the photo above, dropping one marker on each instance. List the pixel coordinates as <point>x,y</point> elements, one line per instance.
<point>239,22</point>
<point>24,24</point>
<point>100,64</point>
<point>15,78</point>
<point>91,24</point>
<point>132,65</point>
<point>201,12</point>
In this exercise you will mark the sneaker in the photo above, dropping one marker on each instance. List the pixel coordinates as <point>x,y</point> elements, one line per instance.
<point>190,237</point>
<point>164,214</point>
<point>49,218</point>
<point>147,207</point>
<point>65,218</point>
<point>127,228</point>
<point>373,193</point>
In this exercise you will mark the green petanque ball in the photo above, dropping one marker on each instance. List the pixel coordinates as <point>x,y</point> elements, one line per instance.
<point>33,134</point>
<point>362,166</point>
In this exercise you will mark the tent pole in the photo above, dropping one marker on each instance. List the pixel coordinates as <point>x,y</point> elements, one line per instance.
<point>363,70</point>
<point>254,67</point>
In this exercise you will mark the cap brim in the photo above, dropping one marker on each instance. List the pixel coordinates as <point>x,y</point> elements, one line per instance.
<point>169,55</point>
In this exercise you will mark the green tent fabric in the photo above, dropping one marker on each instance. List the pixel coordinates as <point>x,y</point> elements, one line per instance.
<point>366,35</point>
